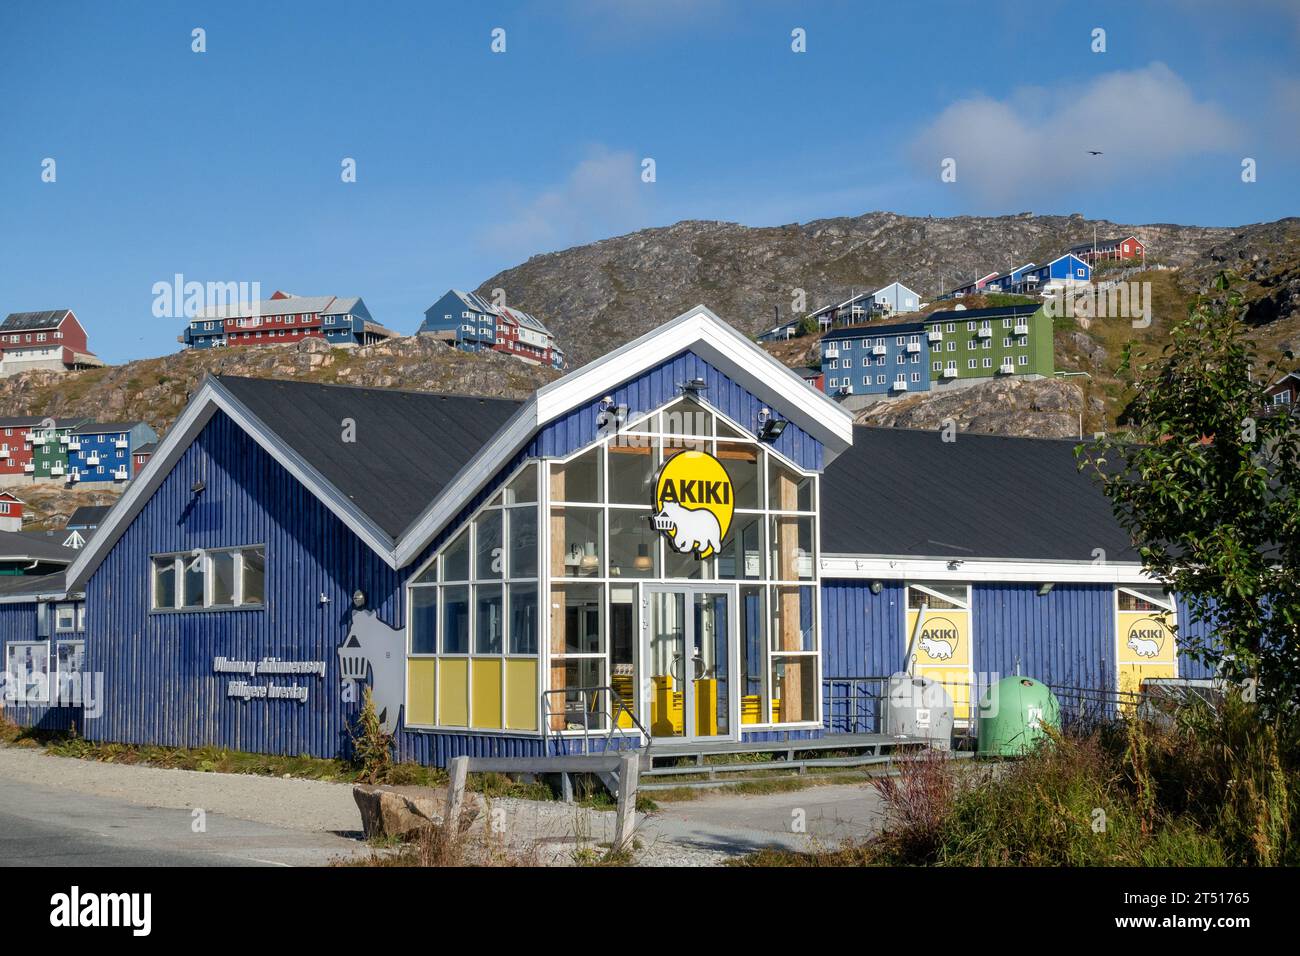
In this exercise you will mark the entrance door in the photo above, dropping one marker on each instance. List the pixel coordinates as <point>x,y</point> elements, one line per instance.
<point>688,657</point>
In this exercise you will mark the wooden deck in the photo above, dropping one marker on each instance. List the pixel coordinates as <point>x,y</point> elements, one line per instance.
<point>875,744</point>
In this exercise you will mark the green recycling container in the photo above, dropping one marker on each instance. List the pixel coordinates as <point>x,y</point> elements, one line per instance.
<point>1013,713</point>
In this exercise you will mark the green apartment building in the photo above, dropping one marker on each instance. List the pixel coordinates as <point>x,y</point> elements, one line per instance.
<point>50,448</point>
<point>988,343</point>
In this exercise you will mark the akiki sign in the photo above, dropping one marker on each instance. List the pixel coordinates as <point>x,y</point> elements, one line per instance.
<point>244,690</point>
<point>694,499</point>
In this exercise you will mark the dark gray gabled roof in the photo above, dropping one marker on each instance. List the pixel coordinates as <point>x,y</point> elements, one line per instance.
<point>33,321</point>
<point>104,428</point>
<point>36,546</point>
<point>16,587</point>
<point>409,445</point>
<point>908,493</point>
<point>87,516</point>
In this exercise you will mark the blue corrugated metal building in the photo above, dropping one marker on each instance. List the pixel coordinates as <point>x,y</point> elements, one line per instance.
<point>497,571</point>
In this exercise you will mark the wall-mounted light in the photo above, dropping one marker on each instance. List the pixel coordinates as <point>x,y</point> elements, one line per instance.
<point>769,426</point>
<point>324,598</point>
<point>694,386</point>
<point>1045,589</point>
<point>198,487</point>
<point>876,587</point>
<point>954,565</point>
<point>358,598</point>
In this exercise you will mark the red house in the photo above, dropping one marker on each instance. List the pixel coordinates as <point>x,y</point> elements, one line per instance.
<point>52,340</point>
<point>11,512</point>
<point>142,456</point>
<point>1124,247</point>
<point>16,448</point>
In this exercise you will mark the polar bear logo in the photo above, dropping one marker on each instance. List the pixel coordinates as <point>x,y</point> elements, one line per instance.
<point>690,529</point>
<point>1143,646</point>
<point>373,646</point>
<point>936,649</point>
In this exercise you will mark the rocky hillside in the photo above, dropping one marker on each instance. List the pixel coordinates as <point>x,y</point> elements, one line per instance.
<point>1048,408</point>
<point>155,390</point>
<point>600,295</point>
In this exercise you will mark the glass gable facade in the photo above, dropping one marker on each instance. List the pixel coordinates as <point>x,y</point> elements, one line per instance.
<point>681,598</point>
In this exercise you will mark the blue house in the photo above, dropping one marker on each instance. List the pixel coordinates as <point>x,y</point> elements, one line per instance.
<point>896,297</point>
<point>42,652</point>
<point>464,319</point>
<point>346,321</point>
<point>1062,271</point>
<point>879,360</point>
<point>1012,281</point>
<point>482,565</point>
<point>102,451</point>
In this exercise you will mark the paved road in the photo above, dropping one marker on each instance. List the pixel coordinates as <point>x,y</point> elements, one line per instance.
<point>42,826</point>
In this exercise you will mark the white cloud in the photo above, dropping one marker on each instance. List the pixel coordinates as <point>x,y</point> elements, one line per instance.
<point>602,196</point>
<point>1035,142</point>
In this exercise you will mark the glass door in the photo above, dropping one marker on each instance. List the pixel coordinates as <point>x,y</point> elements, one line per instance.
<point>666,660</point>
<point>688,657</point>
<point>709,641</point>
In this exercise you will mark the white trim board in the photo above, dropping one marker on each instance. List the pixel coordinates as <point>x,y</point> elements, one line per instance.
<point>884,568</point>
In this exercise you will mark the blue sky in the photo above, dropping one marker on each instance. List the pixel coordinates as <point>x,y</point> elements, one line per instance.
<point>225,165</point>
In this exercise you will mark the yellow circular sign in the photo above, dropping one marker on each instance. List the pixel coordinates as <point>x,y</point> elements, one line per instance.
<point>694,500</point>
<point>938,638</point>
<point>1146,637</point>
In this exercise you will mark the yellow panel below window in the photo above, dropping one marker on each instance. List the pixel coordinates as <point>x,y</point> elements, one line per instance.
<point>421,675</point>
<point>487,693</point>
<point>521,694</point>
<point>453,692</point>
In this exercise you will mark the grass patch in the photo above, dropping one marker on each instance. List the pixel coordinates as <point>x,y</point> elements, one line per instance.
<point>1214,789</point>
<point>212,759</point>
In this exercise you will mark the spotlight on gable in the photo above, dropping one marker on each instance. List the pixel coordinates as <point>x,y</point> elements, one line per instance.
<point>1045,589</point>
<point>198,487</point>
<point>694,386</point>
<point>769,426</point>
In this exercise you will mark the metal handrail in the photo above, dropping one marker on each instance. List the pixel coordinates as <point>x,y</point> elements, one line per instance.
<point>858,699</point>
<point>618,706</point>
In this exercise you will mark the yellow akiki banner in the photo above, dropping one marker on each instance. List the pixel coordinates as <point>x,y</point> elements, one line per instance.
<point>1145,647</point>
<point>941,651</point>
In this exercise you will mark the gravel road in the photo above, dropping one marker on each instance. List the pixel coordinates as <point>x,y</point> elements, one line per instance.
<point>703,832</point>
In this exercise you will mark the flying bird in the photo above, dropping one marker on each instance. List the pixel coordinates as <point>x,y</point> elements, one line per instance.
<point>1095,152</point>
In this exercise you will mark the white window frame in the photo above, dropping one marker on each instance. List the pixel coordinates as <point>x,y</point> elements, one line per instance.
<point>182,558</point>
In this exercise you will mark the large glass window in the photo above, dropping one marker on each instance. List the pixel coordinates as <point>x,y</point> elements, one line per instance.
<point>489,624</point>
<point>28,667</point>
<point>472,618</point>
<point>455,619</point>
<point>577,542</point>
<point>489,559</point>
<point>633,544</point>
<point>209,579</point>
<point>424,620</point>
<point>600,507</point>
<point>523,618</point>
<point>70,658</point>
